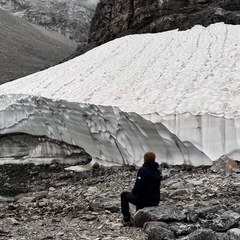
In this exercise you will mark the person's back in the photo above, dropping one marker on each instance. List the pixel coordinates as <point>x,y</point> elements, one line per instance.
<point>146,191</point>
<point>147,185</point>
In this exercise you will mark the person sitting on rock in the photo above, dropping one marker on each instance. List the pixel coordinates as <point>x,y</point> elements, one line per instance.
<point>146,190</point>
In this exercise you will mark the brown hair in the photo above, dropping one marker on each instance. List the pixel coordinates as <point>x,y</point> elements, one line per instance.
<point>149,157</point>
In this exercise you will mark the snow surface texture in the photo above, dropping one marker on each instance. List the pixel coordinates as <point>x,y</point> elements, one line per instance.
<point>176,93</point>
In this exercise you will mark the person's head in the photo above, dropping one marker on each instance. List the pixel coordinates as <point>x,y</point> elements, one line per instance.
<point>149,157</point>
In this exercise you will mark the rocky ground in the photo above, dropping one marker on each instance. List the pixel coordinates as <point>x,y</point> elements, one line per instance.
<point>49,202</point>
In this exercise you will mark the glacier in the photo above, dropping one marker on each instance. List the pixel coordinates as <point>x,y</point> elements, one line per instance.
<point>176,93</point>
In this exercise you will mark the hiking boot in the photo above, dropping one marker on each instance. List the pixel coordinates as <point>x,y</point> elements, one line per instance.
<point>128,223</point>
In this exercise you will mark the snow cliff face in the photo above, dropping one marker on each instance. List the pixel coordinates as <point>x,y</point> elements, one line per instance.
<point>175,93</point>
<point>110,136</point>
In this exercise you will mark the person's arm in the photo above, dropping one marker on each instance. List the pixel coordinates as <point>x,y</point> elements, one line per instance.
<point>140,182</point>
<point>161,177</point>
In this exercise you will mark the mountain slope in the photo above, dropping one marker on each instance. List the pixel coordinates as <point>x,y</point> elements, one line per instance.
<point>70,18</point>
<point>26,48</point>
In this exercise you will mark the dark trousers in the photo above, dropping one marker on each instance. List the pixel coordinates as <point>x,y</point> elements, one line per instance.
<point>126,198</point>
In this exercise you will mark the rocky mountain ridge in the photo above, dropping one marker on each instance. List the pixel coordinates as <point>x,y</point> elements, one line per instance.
<point>118,18</point>
<point>70,18</point>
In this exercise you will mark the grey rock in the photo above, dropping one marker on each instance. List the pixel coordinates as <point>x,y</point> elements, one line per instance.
<point>221,235</point>
<point>6,199</point>
<point>100,204</point>
<point>47,238</point>
<point>225,164</point>
<point>201,234</point>
<point>178,185</point>
<point>193,183</point>
<point>181,229</point>
<point>11,221</point>
<point>3,232</point>
<point>178,194</point>
<point>235,207</point>
<point>210,212</point>
<point>24,200</point>
<point>164,194</point>
<point>160,213</point>
<point>226,221</point>
<point>147,226</point>
<point>233,234</point>
<point>160,233</point>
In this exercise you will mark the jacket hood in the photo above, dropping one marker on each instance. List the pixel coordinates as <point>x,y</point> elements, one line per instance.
<point>152,165</point>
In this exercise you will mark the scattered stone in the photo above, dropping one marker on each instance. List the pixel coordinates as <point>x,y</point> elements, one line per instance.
<point>100,203</point>
<point>47,238</point>
<point>3,233</point>
<point>178,194</point>
<point>6,199</point>
<point>11,221</point>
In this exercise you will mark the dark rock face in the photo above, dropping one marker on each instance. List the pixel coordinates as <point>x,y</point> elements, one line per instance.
<point>118,18</point>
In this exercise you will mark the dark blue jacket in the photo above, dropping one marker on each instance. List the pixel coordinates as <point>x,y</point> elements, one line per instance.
<point>147,185</point>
